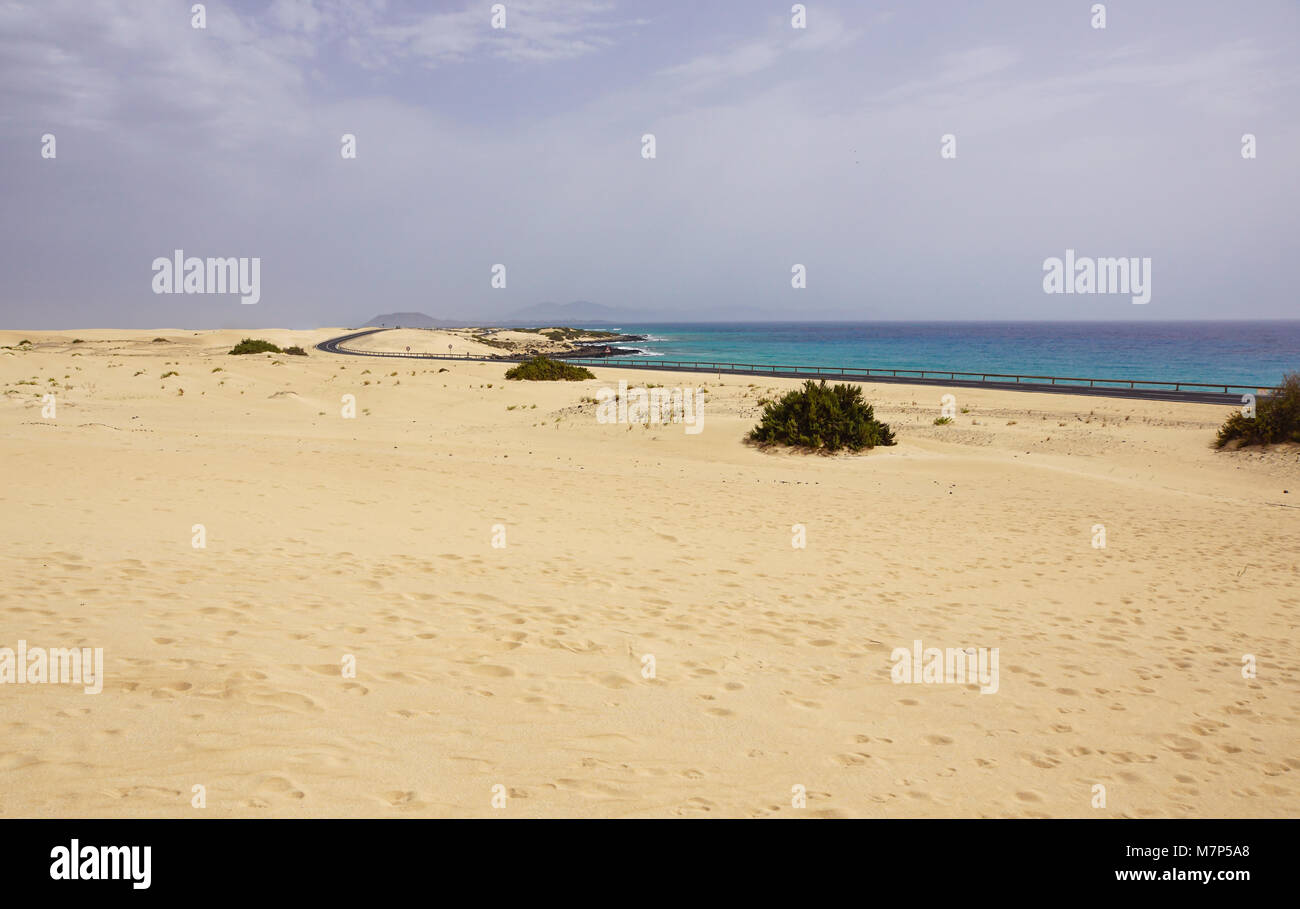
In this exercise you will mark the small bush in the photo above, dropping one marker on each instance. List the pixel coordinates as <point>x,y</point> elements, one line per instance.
<point>251,346</point>
<point>171,372</point>
<point>299,352</point>
<point>161,341</point>
<point>821,418</point>
<point>944,421</point>
<point>544,369</point>
<point>1277,418</point>
<point>78,341</point>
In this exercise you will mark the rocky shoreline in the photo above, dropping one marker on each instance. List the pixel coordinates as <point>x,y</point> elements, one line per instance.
<point>596,349</point>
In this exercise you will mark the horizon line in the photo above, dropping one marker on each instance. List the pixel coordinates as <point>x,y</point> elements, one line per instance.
<point>616,322</point>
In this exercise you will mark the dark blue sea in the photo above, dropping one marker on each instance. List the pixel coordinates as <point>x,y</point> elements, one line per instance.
<point>1237,353</point>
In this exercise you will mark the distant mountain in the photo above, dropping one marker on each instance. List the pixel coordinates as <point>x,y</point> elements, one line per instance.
<point>575,314</point>
<point>409,320</point>
<point>581,314</point>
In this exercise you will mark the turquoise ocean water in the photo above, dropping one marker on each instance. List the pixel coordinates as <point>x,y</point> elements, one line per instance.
<point>1246,353</point>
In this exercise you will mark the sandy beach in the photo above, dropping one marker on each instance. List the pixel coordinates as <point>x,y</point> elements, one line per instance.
<point>520,669</point>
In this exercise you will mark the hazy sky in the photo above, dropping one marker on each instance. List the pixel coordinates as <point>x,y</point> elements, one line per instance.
<point>522,146</point>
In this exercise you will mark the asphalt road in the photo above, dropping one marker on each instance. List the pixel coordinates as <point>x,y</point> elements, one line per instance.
<point>1232,399</point>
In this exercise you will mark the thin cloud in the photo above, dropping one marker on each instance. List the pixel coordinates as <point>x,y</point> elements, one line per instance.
<point>540,31</point>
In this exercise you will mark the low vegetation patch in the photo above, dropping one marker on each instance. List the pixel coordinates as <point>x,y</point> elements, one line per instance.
<point>544,369</point>
<point>571,334</point>
<point>1276,419</point>
<point>821,418</point>
<point>251,346</point>
<point>299,352</point>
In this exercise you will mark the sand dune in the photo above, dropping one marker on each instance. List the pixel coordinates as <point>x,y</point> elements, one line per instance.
<point>522,667</point>
<point>461,341</point>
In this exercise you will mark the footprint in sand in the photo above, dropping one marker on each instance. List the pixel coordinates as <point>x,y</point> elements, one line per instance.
<point>611,680</point>
<point>590,787</point>
<point>283,700</point>
<point>144,792</point>
<point>831,813</point>
<point>492,671</point>
<point>169,690</point>
<point>696,806</point>
<point>279,785</point>
<point>854,759</point>
<point>402,799</point>
<point>1181,744</point>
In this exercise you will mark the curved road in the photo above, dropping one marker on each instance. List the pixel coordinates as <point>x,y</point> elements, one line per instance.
<point>334,345</point>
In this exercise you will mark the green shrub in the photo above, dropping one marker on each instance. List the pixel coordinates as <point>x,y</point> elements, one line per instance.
<point>299,352</point>
<point>251,346</point>
<point>942,421</point>
<point>823,418</point>
<point>544,369</point>
<point>1277,418</point>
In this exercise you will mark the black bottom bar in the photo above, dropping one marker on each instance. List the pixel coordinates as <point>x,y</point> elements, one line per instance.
<point>950,862</point>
